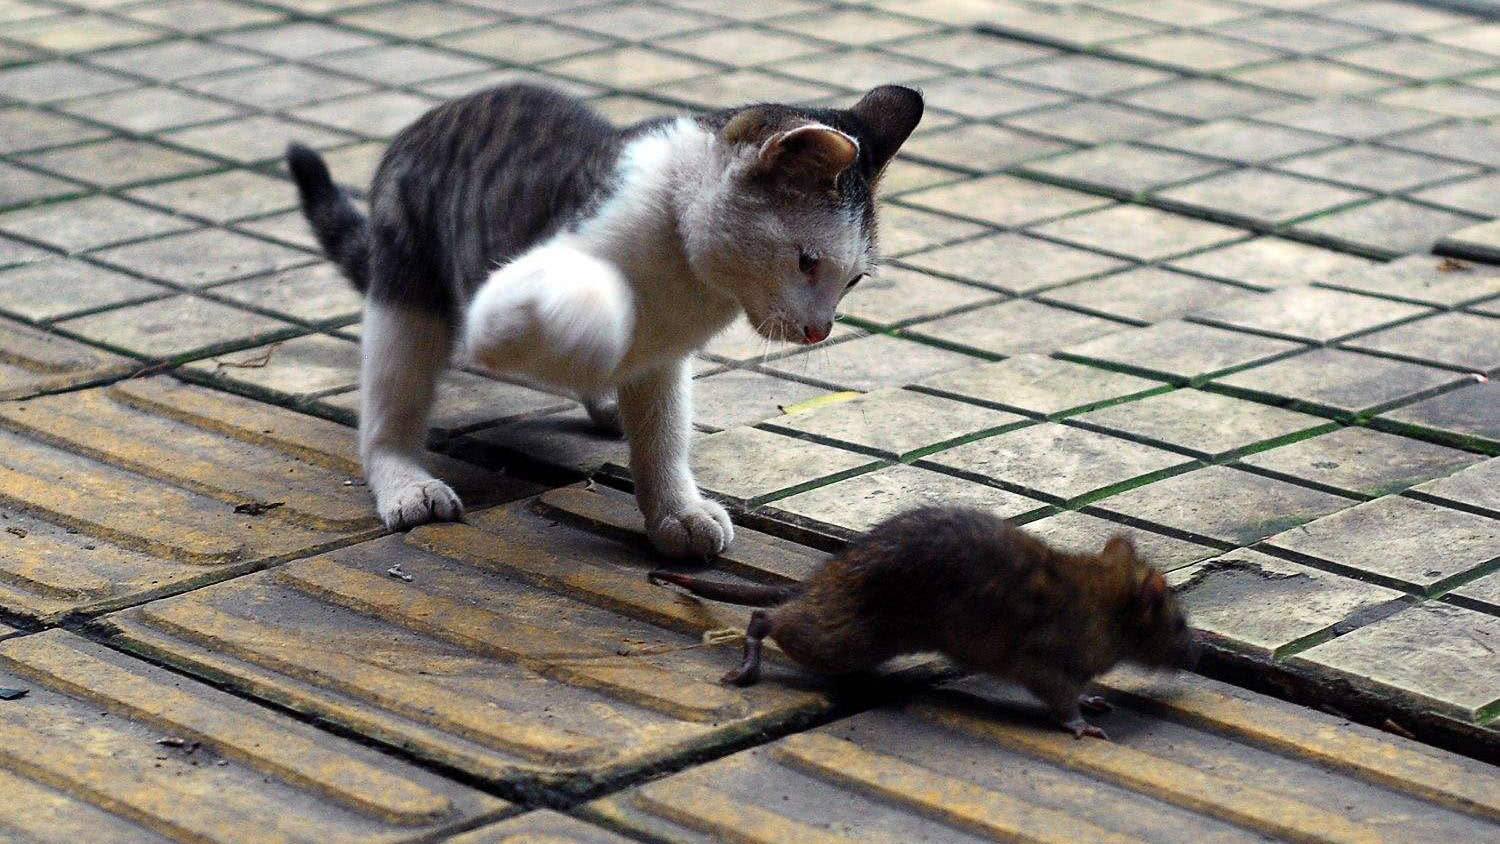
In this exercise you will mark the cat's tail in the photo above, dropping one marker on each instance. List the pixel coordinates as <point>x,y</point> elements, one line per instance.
<point>341,229</point>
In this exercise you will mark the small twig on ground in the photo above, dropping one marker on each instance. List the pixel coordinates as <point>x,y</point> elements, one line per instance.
<point>257,362</point>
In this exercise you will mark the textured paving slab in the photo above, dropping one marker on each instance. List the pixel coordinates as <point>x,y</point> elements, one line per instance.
<point>972,765</point>
<point>895,423</point>
<point>750,466</point>
<point>1425,279</point>
<point>1433,341</point>
<point>1360,461</point>
<point>1085,532</point>
<point>1181,351</point>
<point>1038,385</point>
<point>169,487</point>
<point>1202,424</point>
<point>1465,416</point>
<point>1311,314</point>
<point>1474,488</point>
<point>522,650</point>
<point>1339,383</point>
<point>34,362</point>
<point>108,748</point>
<point>540,826</point>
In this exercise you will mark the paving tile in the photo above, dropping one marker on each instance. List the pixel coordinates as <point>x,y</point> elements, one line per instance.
<point>1395,17</point>
<point>1235,139</point>
<point>1181,351</point>
<point>852,26</point>
<point>316,294</point>
<point>1004,200</point>
<point>1339,382</point>
<point>1124,168</point>
<point>298,39</point>
<point>465,402</point>
<point>1020,326</point>
<point>759,11</point>
<point>251,140</point>
<point>14,252</point>
<point>1309,77</point>
<point>20,187</point>
<point>870,363</point>
<point>1068,25</point>
<point>540,825</point>
<point>1079,73</point>
<point>117,162</point>
<point>198,16</point>
<point>1259,197</point>
<point>857,70</point>
<point>1093,122</point>
<point>749,466</point>
<point>1056,462</point>
<point>174,60</point>
<point>744,397</point>
<point>1415,59</point>
<point>906,230</point>
<point>1029,263</point>
<point>81,224</point>
<point>565,439</point>
<point>1444,98</point>
<point>1182,12</point>
<point>45,290</point>
<point>1039,385</point>
<point>1297,33</point>
<point>985,97</point>
<point>1482,594</point>
<point>1190,51</point>
<point>79,33</point>
<point>1484,38</point>
<point>176,327</point>
<point>1426,279</point>
<point>277,86</point>
<point>417,20</point>
<point>399,64</point>
<point>974,762</point>
<point>34,362</point>
<point>1348,118</point>
<point>1266,607</point>
<point>1145,295</point>
<point>1205,425</point>
<point>630,67</point>
<point>289,227</point>
<point>1473,488</point>
<point>853,506</point>
<point>1431,341</point>
<point>1434,654</point>
<point>23,129</point>
<point>222,197</point>
<point>971,51</point>
<point>1480,241</point>
<point>241,773</point>
<point>1479,196</point>
<point>146,110</point>
<point>1360,461</point>
<point>747,45</point>
<point>381,114</point>
<point>1387,227</point>
<point>1205,99</point>
<point>895,296</point>
<point>1139,232</point>
<point>1464,414</point>
<point>285,371</point>
<point>1409,544</point>
<point>1463,140</point>
<point>203,257</point>
<point>45,82</point>
<point>903,175</point>
<point>894,423</point>
<point>156,469</point>
<point>638,21</point>
<point>1375,168</point>
<point>1224,505</point>
<point>1084,533</point>
<point>1272,262</point>
<point>979,146</point>
<point>1312,314</point>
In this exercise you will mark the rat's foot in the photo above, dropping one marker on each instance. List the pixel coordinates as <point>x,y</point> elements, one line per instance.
<point>418,502</point>
<point>745,675</point>
<point>701,529</point>
<point>1095,703</point>
<point>1080,728</point>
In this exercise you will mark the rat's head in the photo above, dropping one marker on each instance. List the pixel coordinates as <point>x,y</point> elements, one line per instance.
<point>1153,623</point>
<point>785,222</point>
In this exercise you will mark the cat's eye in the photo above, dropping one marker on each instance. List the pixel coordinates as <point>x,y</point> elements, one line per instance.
<point>806,263</point>
<point>853,281</point>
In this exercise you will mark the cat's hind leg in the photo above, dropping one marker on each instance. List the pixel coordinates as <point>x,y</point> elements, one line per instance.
<point>403,351</point>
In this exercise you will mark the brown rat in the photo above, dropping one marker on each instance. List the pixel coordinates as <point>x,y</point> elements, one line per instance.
<point>979,590</point>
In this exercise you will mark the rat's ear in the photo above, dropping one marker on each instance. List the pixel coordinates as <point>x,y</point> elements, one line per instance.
<point>1153,590</point>
<point>1119,551</point>
<point>810,156</point>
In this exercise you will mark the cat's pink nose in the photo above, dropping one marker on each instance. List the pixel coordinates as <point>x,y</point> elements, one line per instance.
<point>816,333</point>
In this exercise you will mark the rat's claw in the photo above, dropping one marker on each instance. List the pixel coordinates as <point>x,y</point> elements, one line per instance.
<point>743,676</point>
<point>1080,728</point>
<point>1095,703</point>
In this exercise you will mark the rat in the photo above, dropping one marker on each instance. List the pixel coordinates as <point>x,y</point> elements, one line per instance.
<point>981,591</point>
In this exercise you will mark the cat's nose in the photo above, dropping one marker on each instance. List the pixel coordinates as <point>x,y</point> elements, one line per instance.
<point>816,333</point>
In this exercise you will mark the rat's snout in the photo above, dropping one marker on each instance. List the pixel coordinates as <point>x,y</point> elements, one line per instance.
<point>1189,652</point>
<point>816,332</point>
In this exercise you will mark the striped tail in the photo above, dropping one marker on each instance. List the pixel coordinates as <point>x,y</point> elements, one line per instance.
<point>341,229</point>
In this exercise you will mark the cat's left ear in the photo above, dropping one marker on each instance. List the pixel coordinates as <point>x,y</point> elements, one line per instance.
<point>888,114</point>
<point>812,156</point>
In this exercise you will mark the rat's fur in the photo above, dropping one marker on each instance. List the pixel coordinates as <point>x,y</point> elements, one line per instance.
<point>977,589</point>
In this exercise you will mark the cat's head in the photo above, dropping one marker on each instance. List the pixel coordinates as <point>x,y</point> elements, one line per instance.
<point>785,222</point>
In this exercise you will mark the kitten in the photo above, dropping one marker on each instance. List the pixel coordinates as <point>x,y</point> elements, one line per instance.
<point>520,232</point>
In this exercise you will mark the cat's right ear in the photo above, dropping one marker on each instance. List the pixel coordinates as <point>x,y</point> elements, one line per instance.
<point>888,114</point>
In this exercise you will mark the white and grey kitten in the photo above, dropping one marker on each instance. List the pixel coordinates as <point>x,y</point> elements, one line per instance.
<point>520,231</point>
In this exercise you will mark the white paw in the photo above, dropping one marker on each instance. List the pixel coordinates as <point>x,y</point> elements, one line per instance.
<point>417,503</point>
<point>605,414</point>
<point>700,530</point>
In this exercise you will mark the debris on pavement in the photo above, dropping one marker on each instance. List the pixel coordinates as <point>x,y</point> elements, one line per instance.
<point>13,694</point>
<point>257,508</point>
<point>399,573</point>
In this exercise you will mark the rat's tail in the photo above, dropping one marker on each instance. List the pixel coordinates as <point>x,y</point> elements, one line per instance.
<point>745,594</point>
<point>341,229</point>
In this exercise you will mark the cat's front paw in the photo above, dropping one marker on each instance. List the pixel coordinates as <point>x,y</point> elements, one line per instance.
<point>701,530</point>
<point>417,503</point>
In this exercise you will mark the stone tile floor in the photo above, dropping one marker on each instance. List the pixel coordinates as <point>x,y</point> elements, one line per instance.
<point>1221,272</point>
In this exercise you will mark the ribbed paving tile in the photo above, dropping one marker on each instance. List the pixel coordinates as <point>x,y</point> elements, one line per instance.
<point>523,649</point>
<point>165,487</point>
<point>968,764</point>
<point>34,362</point>
<point>104,747</point>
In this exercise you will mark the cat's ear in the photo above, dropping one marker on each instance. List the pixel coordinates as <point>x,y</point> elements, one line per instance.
<point>811,156</point>
<point>888,114</point>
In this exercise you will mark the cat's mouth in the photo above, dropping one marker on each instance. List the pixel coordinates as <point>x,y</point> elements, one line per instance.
<point>775,327</point>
